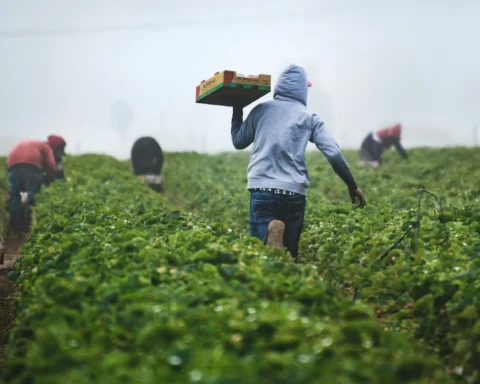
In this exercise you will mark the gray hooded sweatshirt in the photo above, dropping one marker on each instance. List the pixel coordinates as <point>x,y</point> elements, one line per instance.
<point>280,130</point>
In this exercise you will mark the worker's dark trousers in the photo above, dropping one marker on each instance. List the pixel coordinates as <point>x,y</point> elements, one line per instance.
<point>22,179</point>
<point>266,206</point>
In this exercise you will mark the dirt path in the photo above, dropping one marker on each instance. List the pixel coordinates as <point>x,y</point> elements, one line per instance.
<point>7,290</point>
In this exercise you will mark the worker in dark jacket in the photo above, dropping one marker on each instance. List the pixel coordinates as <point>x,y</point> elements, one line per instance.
<point>378,142</point>
<point>147,162</point>
<point>58,145</point>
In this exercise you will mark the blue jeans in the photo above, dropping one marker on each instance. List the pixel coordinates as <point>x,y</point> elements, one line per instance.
<point>266,206</point>
<point>22,179</point>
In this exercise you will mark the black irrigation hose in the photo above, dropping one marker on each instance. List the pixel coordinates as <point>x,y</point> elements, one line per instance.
<point>417,224</point>
<point>384,254</point>
<point>414,225</point>
<point>439,201</point>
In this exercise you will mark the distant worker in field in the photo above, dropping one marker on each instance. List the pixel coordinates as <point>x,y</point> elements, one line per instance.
<point>378,142</point>
<point>147,162</point>
<point>58,145</point>
<point>278,179</point>
<point>26,163</point>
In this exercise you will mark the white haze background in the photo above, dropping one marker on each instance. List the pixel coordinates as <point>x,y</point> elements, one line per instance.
<point>88,69</point>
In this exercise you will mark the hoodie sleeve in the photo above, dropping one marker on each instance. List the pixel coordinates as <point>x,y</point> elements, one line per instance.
<point>325,142</point>
<point>243,132</point>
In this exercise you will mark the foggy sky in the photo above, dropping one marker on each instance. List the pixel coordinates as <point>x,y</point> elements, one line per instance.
<point>66,65</point>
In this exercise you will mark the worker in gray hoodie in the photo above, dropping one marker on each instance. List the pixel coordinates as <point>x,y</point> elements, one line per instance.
<point>278,179</point>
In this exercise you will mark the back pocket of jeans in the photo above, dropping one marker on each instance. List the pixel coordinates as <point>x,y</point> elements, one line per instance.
<point>295,211</point>
<point>262,211</point>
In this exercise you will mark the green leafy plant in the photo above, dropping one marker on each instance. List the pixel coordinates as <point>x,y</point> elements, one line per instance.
<point>428,294</point>
<point>119,284</point>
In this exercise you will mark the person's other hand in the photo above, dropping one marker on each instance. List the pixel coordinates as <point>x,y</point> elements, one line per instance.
<point>358,194</point>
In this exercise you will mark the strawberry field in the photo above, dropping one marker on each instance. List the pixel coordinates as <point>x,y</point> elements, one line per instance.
<point>119,284</point>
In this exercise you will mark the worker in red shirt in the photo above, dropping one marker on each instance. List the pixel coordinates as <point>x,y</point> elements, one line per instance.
<point>378,142</point>
<point>27,162</point>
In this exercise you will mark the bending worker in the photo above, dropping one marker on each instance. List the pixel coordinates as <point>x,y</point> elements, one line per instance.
<point>26,163</point>
<point>378,142</point>
<point>147,162</point>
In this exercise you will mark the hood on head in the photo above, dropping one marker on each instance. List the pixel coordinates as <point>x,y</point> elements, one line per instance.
<point>397,130</point>
<point>56,142</point>
<point>293,84</point>
<point>393,132</point>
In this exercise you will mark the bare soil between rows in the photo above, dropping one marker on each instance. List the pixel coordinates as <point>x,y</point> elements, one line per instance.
<point>12,249</point>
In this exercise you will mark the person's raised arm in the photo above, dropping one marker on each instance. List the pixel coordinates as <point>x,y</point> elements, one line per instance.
<point>243,132</point>
<point>400,149</point>
<point>325,142</point>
